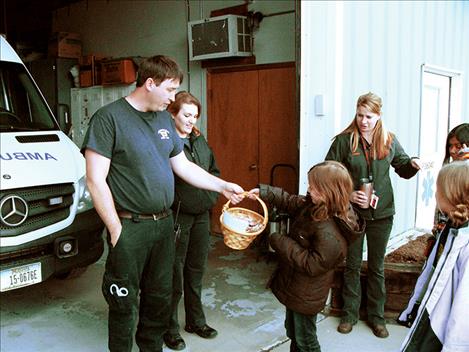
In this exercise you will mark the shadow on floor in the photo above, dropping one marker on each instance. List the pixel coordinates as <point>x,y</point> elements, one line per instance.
<point>249,318</point>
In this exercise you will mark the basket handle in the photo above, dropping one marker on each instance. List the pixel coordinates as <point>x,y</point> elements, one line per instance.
<point>264,207</point>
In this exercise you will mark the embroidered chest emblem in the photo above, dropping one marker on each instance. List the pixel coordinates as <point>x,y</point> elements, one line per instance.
<point>164,133</point>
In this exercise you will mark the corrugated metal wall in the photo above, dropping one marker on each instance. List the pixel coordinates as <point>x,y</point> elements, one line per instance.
<point>349,48</point>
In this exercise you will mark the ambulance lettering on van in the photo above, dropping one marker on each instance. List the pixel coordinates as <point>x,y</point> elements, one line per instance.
<point>27,156</point>
<point>48,225</point>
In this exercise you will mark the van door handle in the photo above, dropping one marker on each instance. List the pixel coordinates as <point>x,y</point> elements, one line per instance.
<point>253,167</point>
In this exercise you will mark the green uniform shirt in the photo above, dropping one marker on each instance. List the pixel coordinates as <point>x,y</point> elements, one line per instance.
<point>340,150</point>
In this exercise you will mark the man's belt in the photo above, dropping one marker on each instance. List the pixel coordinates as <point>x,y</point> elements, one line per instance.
<point>156,216</point>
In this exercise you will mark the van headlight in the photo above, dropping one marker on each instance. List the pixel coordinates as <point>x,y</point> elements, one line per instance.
<point>85,202</point>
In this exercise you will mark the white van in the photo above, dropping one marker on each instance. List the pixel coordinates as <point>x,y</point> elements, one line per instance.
<point>48,225</point>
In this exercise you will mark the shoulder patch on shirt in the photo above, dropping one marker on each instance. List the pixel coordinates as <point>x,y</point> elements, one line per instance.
<point>164,133</point>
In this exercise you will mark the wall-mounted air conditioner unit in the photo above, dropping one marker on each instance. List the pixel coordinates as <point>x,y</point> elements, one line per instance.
<point>221,36</point>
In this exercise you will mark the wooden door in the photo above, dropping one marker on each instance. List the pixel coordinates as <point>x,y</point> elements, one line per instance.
<point>252,127</point>
<point>278,128</point>
<point>233,129</point>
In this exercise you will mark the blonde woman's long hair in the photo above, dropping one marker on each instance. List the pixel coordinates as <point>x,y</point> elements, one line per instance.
<point>453,185</point>
<point>381,138</point>
<point>332,181</point>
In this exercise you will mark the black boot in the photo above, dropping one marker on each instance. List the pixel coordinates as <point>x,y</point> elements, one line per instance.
<point>174,341</point>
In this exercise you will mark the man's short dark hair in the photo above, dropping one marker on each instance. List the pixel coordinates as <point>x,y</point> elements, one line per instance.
<point>159,68</point>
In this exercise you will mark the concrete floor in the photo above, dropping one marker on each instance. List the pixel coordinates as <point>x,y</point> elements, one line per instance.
<point>71,315</point>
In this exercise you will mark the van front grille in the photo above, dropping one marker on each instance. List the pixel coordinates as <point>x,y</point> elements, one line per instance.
<point>46,205</point>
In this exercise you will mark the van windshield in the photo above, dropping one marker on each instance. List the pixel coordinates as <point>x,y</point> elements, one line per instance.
<point>21,106</point>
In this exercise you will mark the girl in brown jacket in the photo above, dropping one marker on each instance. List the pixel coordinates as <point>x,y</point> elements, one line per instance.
<point>323,225</point>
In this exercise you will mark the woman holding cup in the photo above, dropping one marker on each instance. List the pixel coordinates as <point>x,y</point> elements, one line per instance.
<point>368,151</point>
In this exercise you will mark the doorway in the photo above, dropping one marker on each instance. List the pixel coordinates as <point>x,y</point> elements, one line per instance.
<point>439,112</point>
<point>253,127</point>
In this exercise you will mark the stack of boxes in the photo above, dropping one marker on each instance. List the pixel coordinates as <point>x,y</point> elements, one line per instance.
<point>95,69</point>
<point>100,70</point>
<point>121,71</point>
<point>98,80</point>
<point>90,70</point>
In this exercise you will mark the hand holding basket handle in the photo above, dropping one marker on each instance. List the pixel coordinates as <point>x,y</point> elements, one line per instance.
<point>253,193</point>
<point>239,237</point>
<point>233,192</point>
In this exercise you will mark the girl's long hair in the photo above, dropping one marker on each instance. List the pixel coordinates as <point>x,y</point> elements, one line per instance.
<point>381,138</point>
<point>453,185</point>
<point>184,97</point>
<point>332,181</point>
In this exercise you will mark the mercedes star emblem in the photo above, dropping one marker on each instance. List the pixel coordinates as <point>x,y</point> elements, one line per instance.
<point>13,210</point>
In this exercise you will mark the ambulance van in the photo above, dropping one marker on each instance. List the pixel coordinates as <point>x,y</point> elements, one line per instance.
<point>48,225</point>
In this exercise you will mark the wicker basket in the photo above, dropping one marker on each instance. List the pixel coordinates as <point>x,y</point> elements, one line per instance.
<point>241,240</point>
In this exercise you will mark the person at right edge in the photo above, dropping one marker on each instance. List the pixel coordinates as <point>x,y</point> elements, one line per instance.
<point>368,150</point>
<point>441,293</point>
<point>456,148</point>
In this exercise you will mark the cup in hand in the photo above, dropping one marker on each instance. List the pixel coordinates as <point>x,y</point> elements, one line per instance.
<point>366,186</point>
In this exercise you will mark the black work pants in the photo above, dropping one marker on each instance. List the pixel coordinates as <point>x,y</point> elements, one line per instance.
<point>141,262</point>
<point>189,267</point>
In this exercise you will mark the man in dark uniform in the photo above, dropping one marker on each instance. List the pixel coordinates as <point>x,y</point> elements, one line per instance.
<point>131,151</point>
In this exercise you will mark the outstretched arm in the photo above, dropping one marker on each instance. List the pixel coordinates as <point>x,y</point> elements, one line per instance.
<point>198,177</point>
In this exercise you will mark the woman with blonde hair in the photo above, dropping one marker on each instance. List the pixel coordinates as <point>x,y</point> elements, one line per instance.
<point>324,224</point>
<point>443,286</point>
<point>368,151</point>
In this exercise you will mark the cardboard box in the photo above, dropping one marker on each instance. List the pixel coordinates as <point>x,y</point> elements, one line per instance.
<point>91,59</point>
<point>86,78</point>
<point>65,44</point>
<point>90,70</point>
<point>118,72</point>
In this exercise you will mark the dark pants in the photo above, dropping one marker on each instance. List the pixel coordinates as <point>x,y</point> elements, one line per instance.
<point>141,262</point>
<point>189,267</point>
<point>377,236</point>
<point>301,330</point>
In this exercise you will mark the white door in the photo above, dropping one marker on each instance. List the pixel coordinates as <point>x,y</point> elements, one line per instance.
<point>434,123</point>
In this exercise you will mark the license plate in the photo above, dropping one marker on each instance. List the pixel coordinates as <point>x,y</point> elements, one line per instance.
<point>20,276</point>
